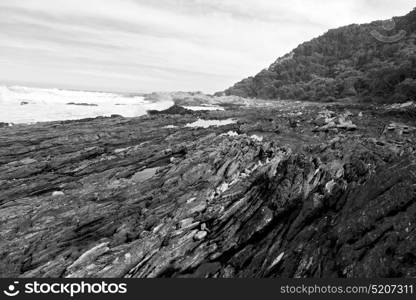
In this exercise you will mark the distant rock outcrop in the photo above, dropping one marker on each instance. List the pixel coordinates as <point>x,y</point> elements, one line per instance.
<point>173,110</point>
<point>82,104</point>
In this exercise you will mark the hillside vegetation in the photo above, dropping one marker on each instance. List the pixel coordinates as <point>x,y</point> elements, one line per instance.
<point>345,62</point>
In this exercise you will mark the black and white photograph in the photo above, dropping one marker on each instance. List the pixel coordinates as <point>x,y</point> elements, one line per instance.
<point>234,139</point>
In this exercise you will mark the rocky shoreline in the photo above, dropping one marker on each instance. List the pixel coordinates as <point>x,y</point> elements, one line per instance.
<point>293,189</point>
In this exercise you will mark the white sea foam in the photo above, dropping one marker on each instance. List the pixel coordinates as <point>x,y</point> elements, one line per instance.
<point>27,105</point>
<point>208,123</point>
<point>204,108</point>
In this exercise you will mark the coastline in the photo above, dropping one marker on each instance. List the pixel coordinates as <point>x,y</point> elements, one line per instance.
<point>134,197</point>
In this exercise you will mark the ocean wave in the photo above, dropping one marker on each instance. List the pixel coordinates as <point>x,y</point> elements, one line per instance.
<point>42,104</point>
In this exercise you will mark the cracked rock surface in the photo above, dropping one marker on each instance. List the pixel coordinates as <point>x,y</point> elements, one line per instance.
<point>287,191</point>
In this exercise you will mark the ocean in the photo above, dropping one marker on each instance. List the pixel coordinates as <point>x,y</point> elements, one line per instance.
<point>20,104</point>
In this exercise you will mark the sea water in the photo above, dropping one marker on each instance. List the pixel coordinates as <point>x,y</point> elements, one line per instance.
<point>28,105</point>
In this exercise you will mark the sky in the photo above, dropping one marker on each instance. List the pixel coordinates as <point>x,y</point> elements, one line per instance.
<point>163,45</point>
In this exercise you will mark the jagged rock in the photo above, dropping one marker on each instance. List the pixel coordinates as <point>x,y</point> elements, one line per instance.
<point>348,125</point>
<point>173,110</point>
<point>400,128</point>
<point>292,204</point>
<point>327,121</point>
<point>86,258</point>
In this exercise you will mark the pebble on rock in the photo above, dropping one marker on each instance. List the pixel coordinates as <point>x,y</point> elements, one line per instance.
<point>200,235</point>
<point>58,194</point>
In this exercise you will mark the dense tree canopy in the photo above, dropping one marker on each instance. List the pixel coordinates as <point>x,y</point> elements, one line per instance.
<point>344,62</point>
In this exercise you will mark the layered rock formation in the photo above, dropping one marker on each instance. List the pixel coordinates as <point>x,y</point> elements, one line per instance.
<point>273,195</point>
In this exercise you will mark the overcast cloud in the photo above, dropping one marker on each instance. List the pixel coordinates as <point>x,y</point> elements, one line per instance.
<point>161,45</point>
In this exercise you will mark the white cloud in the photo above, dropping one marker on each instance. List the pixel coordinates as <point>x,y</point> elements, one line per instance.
<point>145,45</point>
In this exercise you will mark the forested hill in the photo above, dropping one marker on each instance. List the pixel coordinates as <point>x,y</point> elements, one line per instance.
<point>374,62</point>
